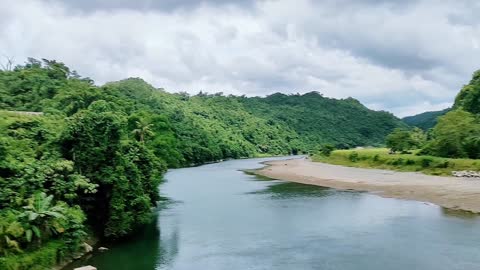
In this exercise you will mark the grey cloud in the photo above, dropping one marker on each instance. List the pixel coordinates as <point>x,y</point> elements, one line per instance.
<point>145,5</point>
<point>401,56</point>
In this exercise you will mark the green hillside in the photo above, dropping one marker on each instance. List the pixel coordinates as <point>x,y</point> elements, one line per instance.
<point>426,120</point>
<point>319,120</point>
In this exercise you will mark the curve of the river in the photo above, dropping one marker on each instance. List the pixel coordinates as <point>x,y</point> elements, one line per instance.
<point>221,218</point>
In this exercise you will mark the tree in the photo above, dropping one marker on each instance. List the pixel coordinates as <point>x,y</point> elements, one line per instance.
<point>143,129</point>
<point>455,135</point>
<point>42,217</point>
<point>419,137</point>
<point>469,97</point>
<point>8,64</point>
<point>400,140</point>
<point>326,149</point>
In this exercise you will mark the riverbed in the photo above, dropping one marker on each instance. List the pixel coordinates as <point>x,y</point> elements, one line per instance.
<point>219,217</point>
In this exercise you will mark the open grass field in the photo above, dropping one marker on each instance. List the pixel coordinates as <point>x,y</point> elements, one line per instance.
<point>379,158</point>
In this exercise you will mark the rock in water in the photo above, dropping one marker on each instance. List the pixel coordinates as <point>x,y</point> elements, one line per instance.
<point>102,249</point>
<point>88,267</point>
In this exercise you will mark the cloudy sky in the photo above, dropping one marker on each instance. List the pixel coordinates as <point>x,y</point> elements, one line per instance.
<point>404,56</point>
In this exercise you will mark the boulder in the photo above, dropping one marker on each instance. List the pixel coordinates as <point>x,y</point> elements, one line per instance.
<point>88,267</point>
<point>86,247</point>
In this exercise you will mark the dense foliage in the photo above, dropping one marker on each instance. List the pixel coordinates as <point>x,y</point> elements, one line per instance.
<point>457,133</point>
<point>319,120</point>
<point>426,120</point>
<point>98,153</point>
<point>402,140</point>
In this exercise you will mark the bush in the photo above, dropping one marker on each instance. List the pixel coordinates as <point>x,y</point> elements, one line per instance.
<point>326,150</point>
<point>397,162</point>
<point>353,157</point>
<point>410,162</point>
<point>443,165</point>
<point>41,259</point>
<point>426,162</point>
<point>74,233</point>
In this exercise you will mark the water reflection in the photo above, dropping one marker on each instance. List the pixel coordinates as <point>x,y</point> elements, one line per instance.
<point>169,241</point>
<point>142,251</point>
<point>288,190</point>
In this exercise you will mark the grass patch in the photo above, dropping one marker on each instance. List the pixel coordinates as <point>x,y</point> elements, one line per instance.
<point>379,158</point>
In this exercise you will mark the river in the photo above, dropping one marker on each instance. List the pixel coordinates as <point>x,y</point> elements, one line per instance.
<point>221,218</point>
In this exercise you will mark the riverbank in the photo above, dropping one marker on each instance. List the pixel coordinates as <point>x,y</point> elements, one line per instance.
<point>380,158</point>
<point>449,192</point>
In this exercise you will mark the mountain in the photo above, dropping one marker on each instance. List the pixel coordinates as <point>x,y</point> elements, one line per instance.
<point>203,127</point>
<point>426,120</point>
<point>319,120</point>
<point>276,124</point>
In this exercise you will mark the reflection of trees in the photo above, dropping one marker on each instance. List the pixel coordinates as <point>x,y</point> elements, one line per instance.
<point>169,247</point>
<point>459,213</point>
<point>285,190</point>
<point>141,251</point>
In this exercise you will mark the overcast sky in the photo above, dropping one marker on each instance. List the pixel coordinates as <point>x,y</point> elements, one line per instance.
<point>404,56</point>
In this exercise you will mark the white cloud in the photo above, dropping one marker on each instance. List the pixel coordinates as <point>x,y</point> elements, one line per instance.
<point>403,58</point>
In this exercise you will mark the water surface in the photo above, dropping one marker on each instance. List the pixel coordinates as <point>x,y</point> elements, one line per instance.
<point>221,218</point>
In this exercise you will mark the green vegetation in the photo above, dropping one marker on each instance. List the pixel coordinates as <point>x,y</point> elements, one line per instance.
<point>426,120</point>
<point>39,259</point>
<point>318,120</point>
<point>457,134</point>
<point>402,140</point>
<point>453,144</point>
<point>94,156</point>
<point>380,158</point>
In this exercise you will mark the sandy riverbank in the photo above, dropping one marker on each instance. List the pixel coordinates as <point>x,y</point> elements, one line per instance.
<point>450,192</point>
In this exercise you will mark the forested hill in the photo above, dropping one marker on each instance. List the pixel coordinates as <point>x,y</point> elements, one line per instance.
<point>320,120</point>
<point>102,150</point>
<point>457,133</point>
<point>205,127</point>
<point>426,120</point>
<point>276,124</point>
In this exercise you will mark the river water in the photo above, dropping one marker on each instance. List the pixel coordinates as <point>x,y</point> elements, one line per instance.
<point>220,218</point>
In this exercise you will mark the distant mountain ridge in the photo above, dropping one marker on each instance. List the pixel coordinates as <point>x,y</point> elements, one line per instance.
<point>203,127</point>
<point>321,120</point>
<point>426,120</point>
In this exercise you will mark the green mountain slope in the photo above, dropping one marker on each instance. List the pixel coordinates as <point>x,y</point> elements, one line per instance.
<point>426,120</point>
<point>320,120</point>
